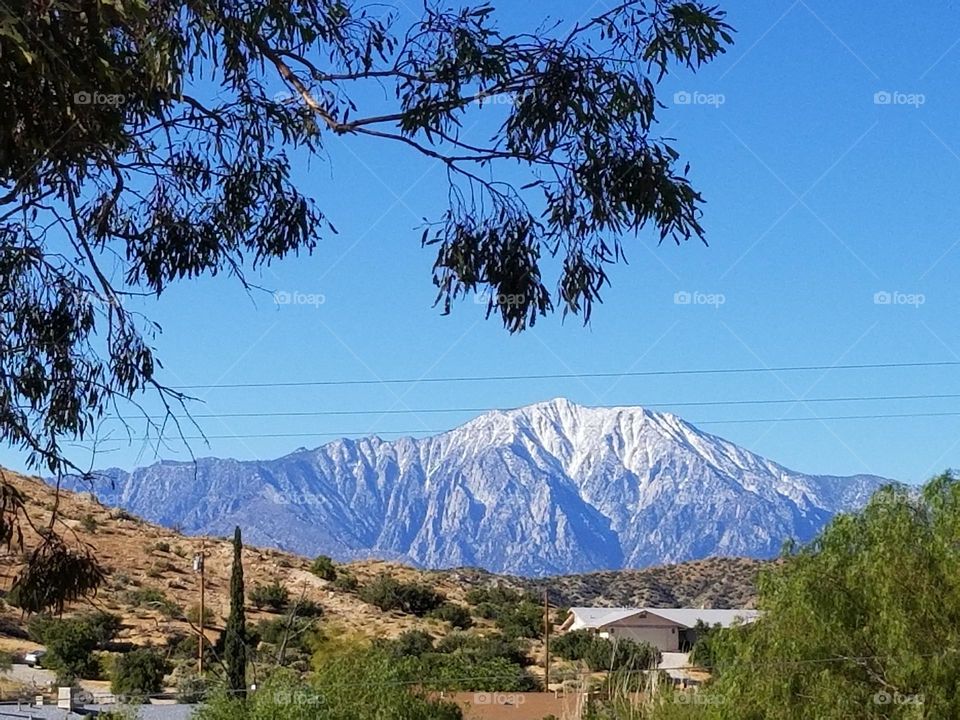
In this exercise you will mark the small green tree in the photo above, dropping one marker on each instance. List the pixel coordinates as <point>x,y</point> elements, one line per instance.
<point>324,568</point>
<point>235,633</point>
<point>457,615</point>
<point>139,673</point>
<point>273,596</point>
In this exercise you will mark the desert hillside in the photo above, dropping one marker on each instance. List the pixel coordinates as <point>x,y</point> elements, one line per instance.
<point>151,584</point>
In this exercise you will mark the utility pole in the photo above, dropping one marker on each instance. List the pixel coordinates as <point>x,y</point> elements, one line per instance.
<point>546,641</point>
<point>198,567</point>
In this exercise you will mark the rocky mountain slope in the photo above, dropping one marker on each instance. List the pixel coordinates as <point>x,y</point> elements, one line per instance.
<point>546,489</point>
<point>151,585</point>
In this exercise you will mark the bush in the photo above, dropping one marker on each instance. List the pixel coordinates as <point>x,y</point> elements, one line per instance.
<point>161,547</point>
<point>155,600</point>
<point>346,582</point>
<point>139,673</point>
<point>88,523</point>
<point>571,645</point>
<point>620,654</point>
<point>324,568</point>
<point>522,620</point>
<point>359,685</point>
<point>6,661</point>
<point>309,608</point>
<point>702,653</point>
<point>193,615</point>
<point>191,688</point>
<point>273,631</point>
<point>484,647</point>
<point>388,593</point>
<point>604,654</point>
<point>104,626</point>
<point>457,615</point>
<point>456,672</point>
<point>412,643</point>
<point>273,596</point>
<point>70,644</point>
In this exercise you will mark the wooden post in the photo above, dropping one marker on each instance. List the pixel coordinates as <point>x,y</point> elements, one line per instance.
<point>546,641</point>
<point>198,566</point>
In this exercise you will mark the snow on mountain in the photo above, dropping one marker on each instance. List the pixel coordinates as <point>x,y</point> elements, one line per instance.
<point>548,488</point>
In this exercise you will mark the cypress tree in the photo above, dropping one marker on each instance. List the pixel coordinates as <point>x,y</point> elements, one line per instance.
<point>235,649</point>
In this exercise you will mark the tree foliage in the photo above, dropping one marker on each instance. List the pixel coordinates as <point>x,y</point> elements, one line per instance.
<point>122,172</point>
<point>139,673</point>
<point>863,622</point>
<point>235,632</point>
<point>388,593</point>
<point>273,596</point>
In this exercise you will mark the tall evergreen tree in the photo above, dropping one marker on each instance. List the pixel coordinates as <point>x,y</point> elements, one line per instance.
<point>235,649</point>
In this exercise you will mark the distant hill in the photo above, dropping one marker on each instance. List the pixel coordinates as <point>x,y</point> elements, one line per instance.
<point>714,582</point>
<point>553,488</point>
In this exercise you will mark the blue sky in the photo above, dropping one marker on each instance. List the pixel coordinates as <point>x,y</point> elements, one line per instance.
<point>821,194</point>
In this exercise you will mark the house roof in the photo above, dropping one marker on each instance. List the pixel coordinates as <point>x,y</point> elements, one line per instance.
<point>687,617</point>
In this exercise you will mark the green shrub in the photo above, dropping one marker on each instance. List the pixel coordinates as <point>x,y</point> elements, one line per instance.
<point>324,568</point>
<point>457,615</point>
<point>412,643</point>
<point>139,673</point>
<point>193,615</point>
<point>388,593</point>
<point>458,672</point>
<point>71,642</point>
<point>359,686</point>
<point>191,688</point>
<point>484,647</point>
<point>161,546</point>
<point>6,661</point>
<point>346,581</point>
<point>309,608</point>
<point>88,523</point>
<point>620,654</point>
<point>571,645</point>
<point>105,626</point>
<point>273,596</point>
<point>153,599</point>
<point>298,633</point>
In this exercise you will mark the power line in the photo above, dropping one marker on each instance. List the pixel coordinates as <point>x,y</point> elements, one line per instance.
<point>567,376</point>
<point>365,433</point>
<point>435,411</point>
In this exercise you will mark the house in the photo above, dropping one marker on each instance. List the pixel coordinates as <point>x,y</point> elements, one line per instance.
<point>667,629</point>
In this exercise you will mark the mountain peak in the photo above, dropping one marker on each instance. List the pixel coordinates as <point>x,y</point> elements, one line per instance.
<point>553,487</point>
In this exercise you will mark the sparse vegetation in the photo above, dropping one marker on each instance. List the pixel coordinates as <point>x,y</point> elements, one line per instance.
<point>71,642</point>
<point>273,596</point>
<point>193,615</point>
<point>153,599</point>
<point>388,593</point>
<point>604,654</point>
<point>138,673</point>
<point>346,581</point>
<point>88,523</point>
<point>324,568</point>
<point>457,615</point>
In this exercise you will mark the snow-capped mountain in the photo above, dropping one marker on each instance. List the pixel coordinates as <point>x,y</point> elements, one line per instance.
<point>549,488</point>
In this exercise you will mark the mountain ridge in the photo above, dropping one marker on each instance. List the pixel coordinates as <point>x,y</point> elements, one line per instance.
<point>549,488</point>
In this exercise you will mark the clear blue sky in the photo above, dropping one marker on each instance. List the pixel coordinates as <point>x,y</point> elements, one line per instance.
<point>819,197</point>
